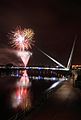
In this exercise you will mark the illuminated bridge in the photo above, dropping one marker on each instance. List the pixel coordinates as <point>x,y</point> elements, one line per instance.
<point>35,68</point>
<point>34,71</point>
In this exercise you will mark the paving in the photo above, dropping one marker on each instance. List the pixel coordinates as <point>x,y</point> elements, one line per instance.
<point>62,104</point>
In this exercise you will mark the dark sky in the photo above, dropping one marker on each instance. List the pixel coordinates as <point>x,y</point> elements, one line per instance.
<point>55,23</point>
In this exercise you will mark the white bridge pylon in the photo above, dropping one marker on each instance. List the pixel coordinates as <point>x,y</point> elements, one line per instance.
<point>58,63</point>
<point>53,59</point>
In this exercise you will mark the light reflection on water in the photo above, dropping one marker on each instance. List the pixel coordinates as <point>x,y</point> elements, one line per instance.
<point>16,95</point>
<point>27,92</point>
<point>21,97</point>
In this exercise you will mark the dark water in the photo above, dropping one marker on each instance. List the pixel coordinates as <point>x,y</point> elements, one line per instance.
<point>9,93</point>
<point>17,101</point>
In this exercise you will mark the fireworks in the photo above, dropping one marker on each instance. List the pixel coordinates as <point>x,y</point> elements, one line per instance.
<point>25,56</point>
<point>22,38</point>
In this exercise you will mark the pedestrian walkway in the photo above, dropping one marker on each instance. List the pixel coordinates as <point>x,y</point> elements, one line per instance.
<point>62,104</point>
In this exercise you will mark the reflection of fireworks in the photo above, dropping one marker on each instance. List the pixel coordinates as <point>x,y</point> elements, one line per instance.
<point>22,38</point>
<point>21,98</point>
<point>24,80</point>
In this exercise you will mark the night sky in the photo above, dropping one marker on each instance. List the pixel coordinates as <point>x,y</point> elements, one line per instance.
<point>55,23</point>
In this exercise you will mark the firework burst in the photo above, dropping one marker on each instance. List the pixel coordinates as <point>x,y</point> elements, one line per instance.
<point>22,38</point>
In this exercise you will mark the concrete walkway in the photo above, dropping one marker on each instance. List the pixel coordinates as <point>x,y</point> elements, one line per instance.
<point>62,104</point>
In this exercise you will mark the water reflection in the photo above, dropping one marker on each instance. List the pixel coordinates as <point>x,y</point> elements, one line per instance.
<point>21,97</point>
<point>22,92</point>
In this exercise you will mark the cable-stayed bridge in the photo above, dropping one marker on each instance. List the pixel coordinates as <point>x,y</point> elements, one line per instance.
<point>61,68</point>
